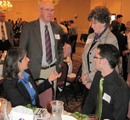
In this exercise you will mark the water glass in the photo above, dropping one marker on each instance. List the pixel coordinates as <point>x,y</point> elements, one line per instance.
<point>57,107</point>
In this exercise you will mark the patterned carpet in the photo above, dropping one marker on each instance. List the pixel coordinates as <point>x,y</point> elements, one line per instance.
<point>73,105</point>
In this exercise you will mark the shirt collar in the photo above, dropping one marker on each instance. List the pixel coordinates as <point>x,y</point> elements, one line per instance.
<point>43,24</point>
<point>110,76</point>
<point>101,33</point>
<point>26,76</point>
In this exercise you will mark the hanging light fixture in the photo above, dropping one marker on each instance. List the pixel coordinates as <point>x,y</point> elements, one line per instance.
<point>5,5</point>
<point>55,2</point>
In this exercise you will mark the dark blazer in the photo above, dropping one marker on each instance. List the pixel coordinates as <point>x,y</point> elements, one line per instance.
<point>122,27</point>
<point>121,41</point>
<point>17,94</point>
<point>115,97</point>
<point>10,33</point>
<point>30,40</point>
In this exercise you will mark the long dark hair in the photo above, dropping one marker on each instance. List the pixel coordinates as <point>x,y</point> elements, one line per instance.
<point>10,68</point>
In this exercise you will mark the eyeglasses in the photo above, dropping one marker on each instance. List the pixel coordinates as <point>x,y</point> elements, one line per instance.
<point>48,10</point>
<point>97,57</point>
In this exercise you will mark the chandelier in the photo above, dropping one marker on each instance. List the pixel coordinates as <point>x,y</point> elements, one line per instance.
<point>5,5</point>
<point>55,2</point>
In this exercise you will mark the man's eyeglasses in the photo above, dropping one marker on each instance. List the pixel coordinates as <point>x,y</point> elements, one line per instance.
<point>97,57</point>
<point>48,10</point>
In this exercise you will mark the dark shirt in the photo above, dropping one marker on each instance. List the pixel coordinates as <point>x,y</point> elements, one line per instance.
<point>115,97</point>
<point>121,40</point>
<point>122,27</point>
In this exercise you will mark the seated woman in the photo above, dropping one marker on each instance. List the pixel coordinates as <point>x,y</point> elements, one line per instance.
<point>19,85</point>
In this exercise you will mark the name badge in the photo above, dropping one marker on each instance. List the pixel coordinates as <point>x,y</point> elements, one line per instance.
<point>89,41</point>
<point>106,97</point>
<point>57,36</point>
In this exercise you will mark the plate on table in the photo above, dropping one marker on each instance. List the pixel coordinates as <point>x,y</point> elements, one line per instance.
<point>67,117</point>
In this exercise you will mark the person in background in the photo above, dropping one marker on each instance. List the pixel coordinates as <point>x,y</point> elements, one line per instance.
<point>55,20</point>
<point>73,34</point>
<point>64,28</point>
<point>115,26</point>
<point>127,50</point>
<point>43,59</point>
<point>19,85</point>
<point>6,33</point>
<point>109,94</point>
<point>122,25</point>
<point>90,30</point>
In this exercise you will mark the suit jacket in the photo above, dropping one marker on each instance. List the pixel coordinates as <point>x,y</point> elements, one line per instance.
<point>30,40</point>
<point>10,33</point>
<point>115,97</point>
<point>121,41</point>
<point>17,94</point>
<point>122,27</point>
<point>107,37</point>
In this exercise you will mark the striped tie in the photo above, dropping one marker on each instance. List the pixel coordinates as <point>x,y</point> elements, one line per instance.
<point>48,46</point>
<point>3,32</point>
<point>99,99</point>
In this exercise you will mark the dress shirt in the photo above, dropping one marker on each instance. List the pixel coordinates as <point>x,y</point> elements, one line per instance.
<point>115,97</point>
<point>4,31</point>
<point>28,86</point>
<point>42,29</point>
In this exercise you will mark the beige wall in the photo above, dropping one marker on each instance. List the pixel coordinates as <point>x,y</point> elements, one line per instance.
<point>68,9</point>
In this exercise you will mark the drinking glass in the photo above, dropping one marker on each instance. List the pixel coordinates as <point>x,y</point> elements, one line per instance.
<point>57,107</point>
<point>49,107</point>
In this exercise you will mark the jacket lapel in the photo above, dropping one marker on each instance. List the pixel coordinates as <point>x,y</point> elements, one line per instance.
<point>102,39</point>
<point>36,28</point>
<point>23,90</point>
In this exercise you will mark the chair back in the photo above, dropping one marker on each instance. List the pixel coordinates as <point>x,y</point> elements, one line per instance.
<point>61,81</point>
<point>45,96</point>
<point>78,75</point>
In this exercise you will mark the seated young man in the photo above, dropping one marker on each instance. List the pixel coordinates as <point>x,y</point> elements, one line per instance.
<point>109,94</point>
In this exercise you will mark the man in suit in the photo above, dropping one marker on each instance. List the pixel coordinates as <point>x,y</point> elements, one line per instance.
<point>33,39</point>
<point>109,94</point>
<point>6,33</point>
<point>122,25</point>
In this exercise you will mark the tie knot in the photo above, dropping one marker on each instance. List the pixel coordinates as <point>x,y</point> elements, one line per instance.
<point>101,80</point>
<point>46,26</point>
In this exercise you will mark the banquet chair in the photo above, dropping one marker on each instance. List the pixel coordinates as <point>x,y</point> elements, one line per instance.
<point>61,81</point>
<point>45,96</point>
<point>74,78</point>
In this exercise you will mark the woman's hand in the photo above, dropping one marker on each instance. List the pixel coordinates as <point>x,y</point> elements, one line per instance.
<point>53,76</point>
<point>84,81</point>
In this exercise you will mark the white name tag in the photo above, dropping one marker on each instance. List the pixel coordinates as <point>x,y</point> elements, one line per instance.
<point>106,97</point>
<point>57,36</point>
<point>89,41</point>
